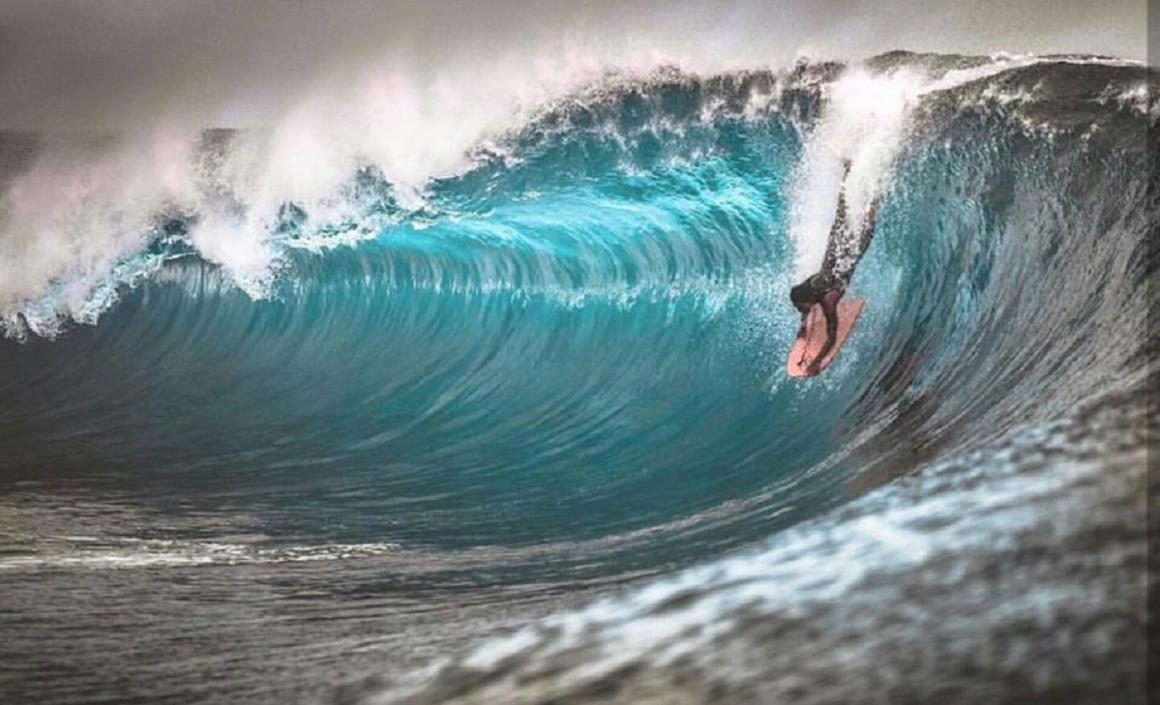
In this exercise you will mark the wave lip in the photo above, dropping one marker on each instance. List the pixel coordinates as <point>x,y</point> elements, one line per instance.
<point>85,217</point>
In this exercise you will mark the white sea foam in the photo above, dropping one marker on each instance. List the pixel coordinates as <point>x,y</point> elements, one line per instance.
<point>66,222</point>
<point>94,553</point>
<point>241,248</point>
<point>863,123</point>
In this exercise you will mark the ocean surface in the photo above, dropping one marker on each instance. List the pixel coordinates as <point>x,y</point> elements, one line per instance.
<point>519,431</point>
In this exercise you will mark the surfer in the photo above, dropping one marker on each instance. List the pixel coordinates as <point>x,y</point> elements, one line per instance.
<point>826,287</point>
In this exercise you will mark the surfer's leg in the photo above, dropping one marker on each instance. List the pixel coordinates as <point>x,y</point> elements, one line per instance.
<point>844,267</point>
<point>829,306</point>
<point>839,234</point>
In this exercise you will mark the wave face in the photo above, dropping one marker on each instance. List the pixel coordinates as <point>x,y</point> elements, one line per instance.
<point>562,365</point>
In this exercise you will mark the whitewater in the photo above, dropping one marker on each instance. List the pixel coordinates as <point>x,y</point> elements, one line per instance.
<point>477,394</point>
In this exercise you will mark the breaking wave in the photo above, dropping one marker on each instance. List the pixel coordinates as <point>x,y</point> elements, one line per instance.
<point>557,358</point>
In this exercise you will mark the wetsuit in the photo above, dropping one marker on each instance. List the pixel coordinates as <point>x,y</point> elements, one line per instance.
<point>843,252</point>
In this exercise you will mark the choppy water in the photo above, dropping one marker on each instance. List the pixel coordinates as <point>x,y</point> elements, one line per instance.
<point>268,450</point>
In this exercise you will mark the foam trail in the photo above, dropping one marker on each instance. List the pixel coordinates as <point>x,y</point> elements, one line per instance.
<point>863,123</point>
<point>82,207</point>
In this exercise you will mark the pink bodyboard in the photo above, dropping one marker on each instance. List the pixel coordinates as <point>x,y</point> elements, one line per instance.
<point>809,343</point>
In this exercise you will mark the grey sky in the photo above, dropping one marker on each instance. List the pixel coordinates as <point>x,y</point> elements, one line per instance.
<point>78,63</point>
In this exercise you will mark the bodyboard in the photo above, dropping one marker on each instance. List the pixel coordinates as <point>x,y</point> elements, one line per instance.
<point>809,343</point>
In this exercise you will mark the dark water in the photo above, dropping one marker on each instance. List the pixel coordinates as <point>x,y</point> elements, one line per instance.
<point>561,374</point>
